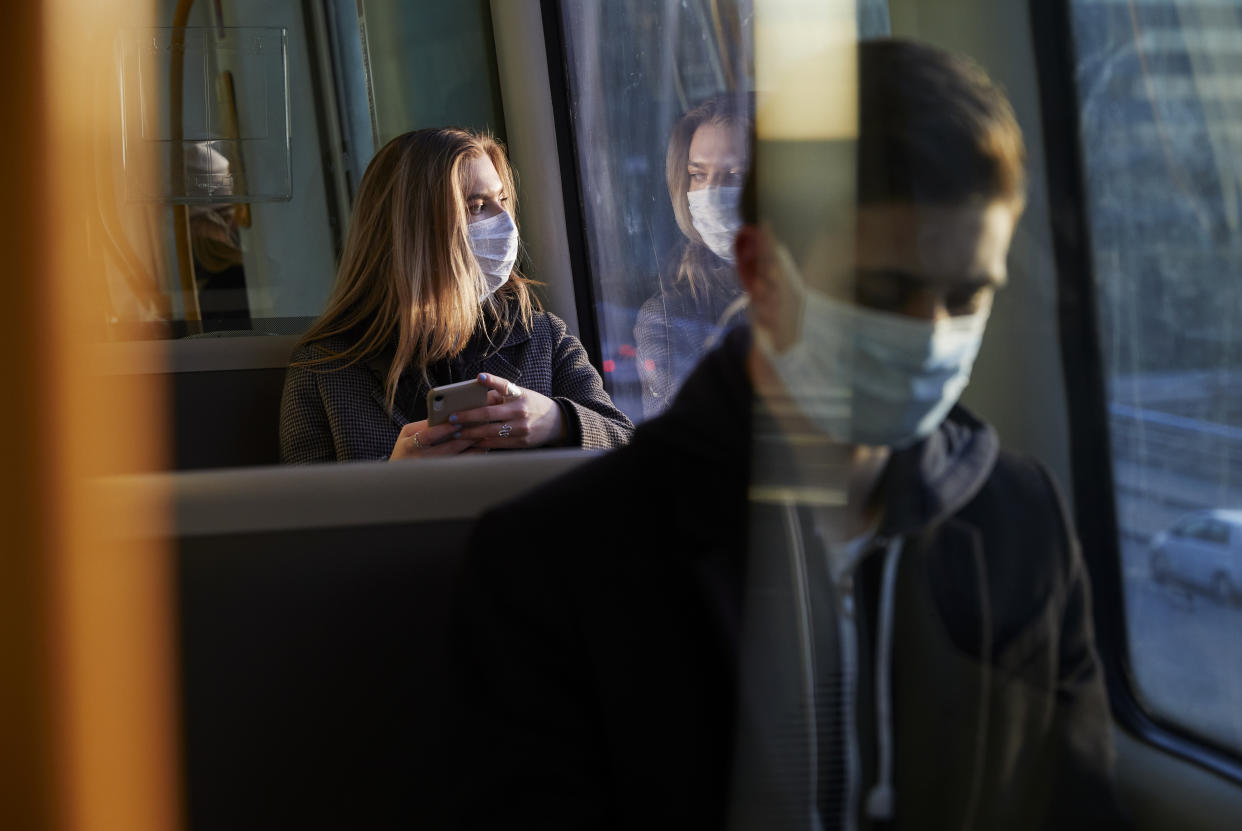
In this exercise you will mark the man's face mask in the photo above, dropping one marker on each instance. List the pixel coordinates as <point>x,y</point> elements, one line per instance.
<point>494,242</point>
<point>715,215</point>
<point>869,377</point>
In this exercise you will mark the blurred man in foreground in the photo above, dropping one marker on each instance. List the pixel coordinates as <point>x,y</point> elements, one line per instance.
<point>853,609</point>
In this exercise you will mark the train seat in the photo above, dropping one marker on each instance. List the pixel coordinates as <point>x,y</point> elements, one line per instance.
<point>312,608</point>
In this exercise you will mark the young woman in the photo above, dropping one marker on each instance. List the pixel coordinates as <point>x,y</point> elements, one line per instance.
<point>699,295</point>
<point>427,294</point>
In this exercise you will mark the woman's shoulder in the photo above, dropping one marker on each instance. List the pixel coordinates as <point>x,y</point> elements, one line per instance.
<point>672,299</point>
<point>332,345</point>
<point>324,357</point>
<point>545,333</point>
<point>656,304</point>
<point>547,324</point>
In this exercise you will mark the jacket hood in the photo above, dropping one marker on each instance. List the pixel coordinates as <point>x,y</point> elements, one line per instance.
<point>716,416</point>
<point>930,481</point>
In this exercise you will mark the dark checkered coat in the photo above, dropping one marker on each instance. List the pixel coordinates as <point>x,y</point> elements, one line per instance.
<point>329,413</point>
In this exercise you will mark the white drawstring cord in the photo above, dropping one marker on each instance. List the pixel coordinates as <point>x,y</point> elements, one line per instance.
<point>797,564</point>
<point>881,800</point>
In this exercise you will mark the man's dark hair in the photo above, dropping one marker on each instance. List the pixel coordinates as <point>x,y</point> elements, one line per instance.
<point>932,129</point>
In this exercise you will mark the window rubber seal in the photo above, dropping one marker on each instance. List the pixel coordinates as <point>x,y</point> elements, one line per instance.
<point>571,179</point>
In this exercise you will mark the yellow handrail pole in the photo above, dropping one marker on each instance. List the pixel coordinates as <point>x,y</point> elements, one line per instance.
<point>88,727</point>
<point>227,93</point>
<point>181,214</point>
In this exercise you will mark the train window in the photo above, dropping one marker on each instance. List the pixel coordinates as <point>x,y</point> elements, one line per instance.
<point>298,105</point>
<point>431,64</point>
<point>1161,121</point>
<point>263,264</point>
<point>633,70</point>
<point>661,93</point>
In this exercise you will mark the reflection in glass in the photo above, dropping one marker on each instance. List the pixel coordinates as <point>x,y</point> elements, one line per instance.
<point>634,69</point>
<point>698,288</point>
<point>226,93</point>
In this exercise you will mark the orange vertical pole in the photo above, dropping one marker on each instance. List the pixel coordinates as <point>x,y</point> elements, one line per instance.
<point>88,725</point>
<point>27,733</point>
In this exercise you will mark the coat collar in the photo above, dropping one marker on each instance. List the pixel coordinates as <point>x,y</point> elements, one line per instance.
<point>481,355</point>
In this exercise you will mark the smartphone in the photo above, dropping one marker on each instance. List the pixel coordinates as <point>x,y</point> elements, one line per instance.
<point>443,401</point>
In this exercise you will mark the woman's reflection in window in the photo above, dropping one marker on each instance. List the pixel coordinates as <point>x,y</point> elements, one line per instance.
<point>698,295</point>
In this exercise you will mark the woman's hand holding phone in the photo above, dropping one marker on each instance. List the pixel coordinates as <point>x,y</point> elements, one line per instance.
<point>514,418</point>
<point>417,439</point>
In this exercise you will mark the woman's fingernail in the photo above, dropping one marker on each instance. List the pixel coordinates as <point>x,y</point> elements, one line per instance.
<point>453,418</point>
<point>457,435</point>
<point>482,376</point>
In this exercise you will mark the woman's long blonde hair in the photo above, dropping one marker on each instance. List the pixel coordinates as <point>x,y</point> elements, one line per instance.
<point>698,266</point>
<point>407,273</point>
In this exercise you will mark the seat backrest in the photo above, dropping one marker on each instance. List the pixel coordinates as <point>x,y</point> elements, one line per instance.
<point>224,391</point>
<point>226,418</point>
<point>313,611</point>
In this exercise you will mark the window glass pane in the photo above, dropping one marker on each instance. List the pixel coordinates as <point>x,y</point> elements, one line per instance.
<point>432,64</point>
<point>1161,93</point>
<point>262,264</point>
<point>634,69</point>
<point>376,68</point>
<point>654,83</point>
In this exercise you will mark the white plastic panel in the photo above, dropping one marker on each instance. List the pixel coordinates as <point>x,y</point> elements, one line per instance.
<point>225,137</point>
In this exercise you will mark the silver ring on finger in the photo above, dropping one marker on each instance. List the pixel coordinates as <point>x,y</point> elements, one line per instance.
<point>505,430</point>
<point>417,441</point>
<point>513,390</point>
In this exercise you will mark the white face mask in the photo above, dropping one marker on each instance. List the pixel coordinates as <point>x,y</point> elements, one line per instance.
<point>494,242</point>
<point>877,378</point>
<point>714,212</point>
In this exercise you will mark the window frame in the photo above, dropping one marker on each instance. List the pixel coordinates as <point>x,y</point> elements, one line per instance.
<point>552,13</point>
<point>1094,489</point>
